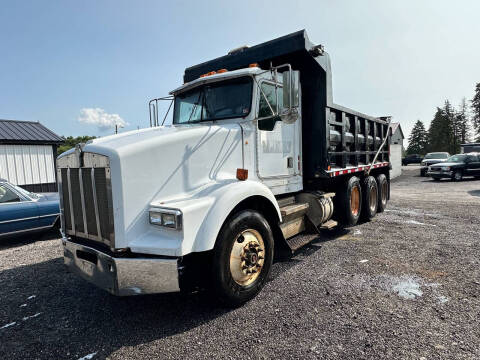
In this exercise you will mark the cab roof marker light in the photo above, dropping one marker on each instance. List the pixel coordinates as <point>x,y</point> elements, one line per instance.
<point>221,71</point>
<point>253,65</point>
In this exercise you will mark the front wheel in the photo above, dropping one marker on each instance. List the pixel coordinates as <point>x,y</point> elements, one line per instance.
<point>457,176</point>
<point>243,257</point>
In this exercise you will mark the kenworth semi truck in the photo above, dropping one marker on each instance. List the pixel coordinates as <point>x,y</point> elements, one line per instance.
<point>258,158</point>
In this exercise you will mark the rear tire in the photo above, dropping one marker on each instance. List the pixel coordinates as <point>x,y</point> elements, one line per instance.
<point>370,198</point>
<point>382,186</point>
<point>244,244</point>
<point>349,202</point>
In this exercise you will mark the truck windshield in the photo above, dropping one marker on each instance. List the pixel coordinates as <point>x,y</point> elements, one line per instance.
<point>222,100</point>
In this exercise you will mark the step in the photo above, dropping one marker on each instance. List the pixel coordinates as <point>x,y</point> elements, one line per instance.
<point>293,227</point>
<point>289,200</point>
<point>330,224</point>
<point>300,240</point>
<point>293,209</point>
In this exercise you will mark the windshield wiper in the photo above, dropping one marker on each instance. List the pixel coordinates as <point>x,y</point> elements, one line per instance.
<point>194,108</point>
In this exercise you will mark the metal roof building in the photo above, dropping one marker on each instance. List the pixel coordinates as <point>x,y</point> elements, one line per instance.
<point>28,152</point>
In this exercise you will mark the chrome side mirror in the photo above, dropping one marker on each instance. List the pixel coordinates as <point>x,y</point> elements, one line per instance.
<point>291,97</point>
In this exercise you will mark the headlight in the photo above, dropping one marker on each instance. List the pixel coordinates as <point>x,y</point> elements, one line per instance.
<point>423,163</point>
<point>170,218</point>
<point>446,168</point>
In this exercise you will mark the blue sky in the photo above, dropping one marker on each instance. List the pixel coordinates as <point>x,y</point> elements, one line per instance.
<point>399,58</point>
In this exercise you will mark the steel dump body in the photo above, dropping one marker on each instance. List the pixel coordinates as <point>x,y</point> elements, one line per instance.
<point>333,137</point>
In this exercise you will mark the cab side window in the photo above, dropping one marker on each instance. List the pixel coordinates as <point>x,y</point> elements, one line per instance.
<point>268,91</point>
<point>7,195</point>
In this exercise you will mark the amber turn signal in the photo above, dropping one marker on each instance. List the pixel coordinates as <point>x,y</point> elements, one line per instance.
<point>242,174</point>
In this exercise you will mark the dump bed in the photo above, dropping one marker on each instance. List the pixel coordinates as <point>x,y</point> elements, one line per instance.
<point>333,137</point>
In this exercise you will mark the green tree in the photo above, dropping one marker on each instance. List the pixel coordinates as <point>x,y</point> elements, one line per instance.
<point>476,112</point>
<point>454,128</point>
<point>70,142</point>
<point>463,122</point>
<point>418,139</point>
<point>440,132</point>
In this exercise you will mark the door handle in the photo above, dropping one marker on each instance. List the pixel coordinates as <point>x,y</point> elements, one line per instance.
<point>290,162</point>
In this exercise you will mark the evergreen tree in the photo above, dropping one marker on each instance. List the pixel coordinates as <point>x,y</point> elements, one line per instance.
<point>418,139</point>
<point>440,132</point>
<point>476,112</point>
<point>454,128</point>
<point>463,122</point>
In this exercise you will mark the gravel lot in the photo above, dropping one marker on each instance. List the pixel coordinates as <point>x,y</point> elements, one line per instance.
<point>404,286</point>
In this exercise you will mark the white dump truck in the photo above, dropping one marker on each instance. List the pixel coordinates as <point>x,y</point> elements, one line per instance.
<point>257,159</point>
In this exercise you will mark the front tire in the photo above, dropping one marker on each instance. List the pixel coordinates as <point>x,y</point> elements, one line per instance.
<point>242,259</point>
<point>457,176</point>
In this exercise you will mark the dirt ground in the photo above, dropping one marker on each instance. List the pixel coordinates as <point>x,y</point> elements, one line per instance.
<point>403,286</point>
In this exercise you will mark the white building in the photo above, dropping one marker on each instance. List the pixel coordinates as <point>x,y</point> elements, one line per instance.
<point>28,151</point>
<point>396,147</point>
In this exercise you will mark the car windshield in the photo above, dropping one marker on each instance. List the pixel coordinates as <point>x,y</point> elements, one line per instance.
<point>25,192</point>
<point>436,156</point>
<point>457,158</point>
<point>223,100</point>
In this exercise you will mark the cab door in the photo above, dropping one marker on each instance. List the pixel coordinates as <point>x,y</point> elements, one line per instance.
<point>277,142</point>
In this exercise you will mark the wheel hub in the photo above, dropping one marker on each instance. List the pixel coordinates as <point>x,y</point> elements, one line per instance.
<point>247,257</point>
<point>355,201</point>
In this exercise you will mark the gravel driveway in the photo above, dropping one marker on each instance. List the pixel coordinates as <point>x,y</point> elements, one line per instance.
<point>404,286</point>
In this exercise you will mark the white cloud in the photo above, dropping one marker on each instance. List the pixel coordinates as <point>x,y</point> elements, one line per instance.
<point>104,120</point>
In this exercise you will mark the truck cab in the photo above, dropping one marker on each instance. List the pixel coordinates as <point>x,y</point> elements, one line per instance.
<point>256,158</point>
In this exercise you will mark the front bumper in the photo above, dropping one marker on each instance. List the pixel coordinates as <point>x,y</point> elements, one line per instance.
<point>121,276</point>
<point>440,174</point>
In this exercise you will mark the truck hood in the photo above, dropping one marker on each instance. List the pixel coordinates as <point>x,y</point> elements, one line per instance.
<point>137,137</point>
<point>164,164</point>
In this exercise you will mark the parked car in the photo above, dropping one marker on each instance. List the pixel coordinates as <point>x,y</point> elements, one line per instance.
<point>22,211</point>
<point>431,159</point>
<point>456,167</point>
<point>412,159</point>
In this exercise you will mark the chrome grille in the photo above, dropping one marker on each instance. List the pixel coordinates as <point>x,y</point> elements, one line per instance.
<point>86,197</point>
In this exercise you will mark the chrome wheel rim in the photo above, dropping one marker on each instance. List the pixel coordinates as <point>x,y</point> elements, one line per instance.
<point>247,257</point>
